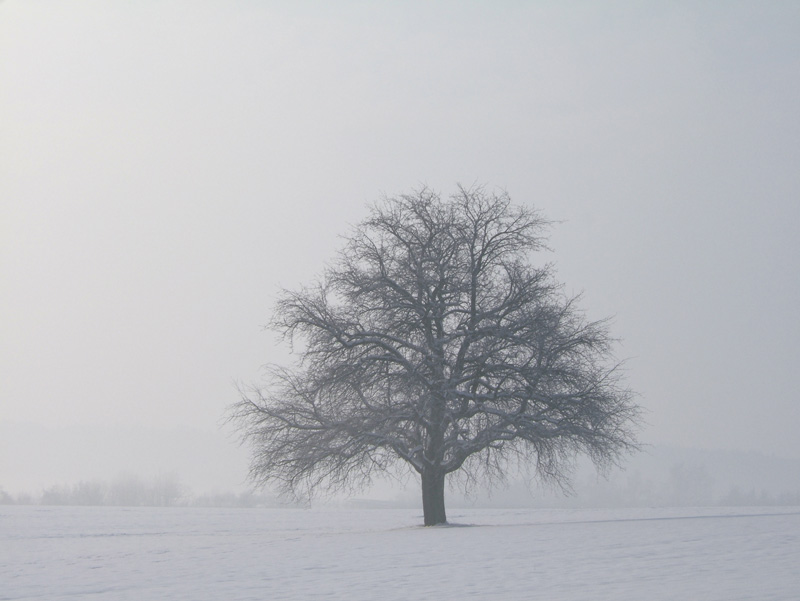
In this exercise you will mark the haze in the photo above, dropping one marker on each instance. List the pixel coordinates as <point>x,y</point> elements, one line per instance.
<point>165,168</point>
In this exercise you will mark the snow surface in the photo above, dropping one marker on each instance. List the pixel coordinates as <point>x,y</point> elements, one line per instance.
<point>59,553</point>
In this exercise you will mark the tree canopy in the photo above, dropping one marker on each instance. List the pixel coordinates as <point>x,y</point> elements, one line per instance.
<point>432,342</point>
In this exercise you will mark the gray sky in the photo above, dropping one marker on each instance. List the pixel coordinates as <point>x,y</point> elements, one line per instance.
<point>165,167</point>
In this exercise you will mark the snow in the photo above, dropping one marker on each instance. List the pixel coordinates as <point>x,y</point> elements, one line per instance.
<point>71,553</point>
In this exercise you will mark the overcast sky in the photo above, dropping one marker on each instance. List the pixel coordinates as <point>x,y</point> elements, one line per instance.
<point>166,167</point>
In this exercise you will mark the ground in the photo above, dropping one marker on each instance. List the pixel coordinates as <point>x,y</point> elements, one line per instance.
<point>70,553</point>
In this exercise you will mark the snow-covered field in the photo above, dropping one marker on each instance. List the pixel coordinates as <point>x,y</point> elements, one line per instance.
<point>59,553</point>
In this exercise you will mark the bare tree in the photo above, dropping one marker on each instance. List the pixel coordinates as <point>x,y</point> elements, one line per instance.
<point>431,342</point>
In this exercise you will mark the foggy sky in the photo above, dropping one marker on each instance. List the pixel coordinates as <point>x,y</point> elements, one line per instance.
<point>166,167</point>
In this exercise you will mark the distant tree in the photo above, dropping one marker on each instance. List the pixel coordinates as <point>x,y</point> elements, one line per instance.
<point>128,490</point>
<point>432,342</point>
<point>166,490</point>
<point>89,493</point>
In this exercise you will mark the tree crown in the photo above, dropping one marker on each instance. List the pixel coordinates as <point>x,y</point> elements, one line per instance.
<point>432,342</point>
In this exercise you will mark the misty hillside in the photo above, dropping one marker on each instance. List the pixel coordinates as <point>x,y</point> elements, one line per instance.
<point>664,475</point>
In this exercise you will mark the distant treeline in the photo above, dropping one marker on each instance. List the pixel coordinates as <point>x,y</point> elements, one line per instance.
<point>665,478</point>
<point>132,491</point>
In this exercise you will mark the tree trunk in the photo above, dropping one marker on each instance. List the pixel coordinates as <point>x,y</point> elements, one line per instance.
<point>433,497</point>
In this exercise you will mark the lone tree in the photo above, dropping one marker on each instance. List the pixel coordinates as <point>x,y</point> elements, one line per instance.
<point>432,342</point>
